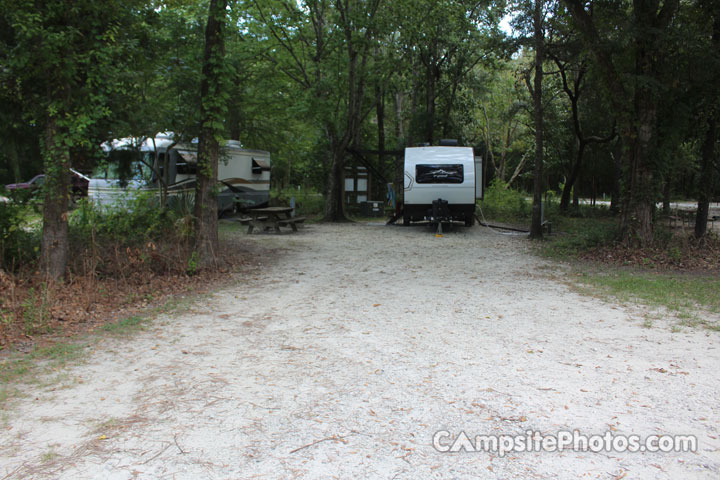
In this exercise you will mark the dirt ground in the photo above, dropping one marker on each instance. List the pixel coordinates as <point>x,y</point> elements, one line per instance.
<point>343,353</point>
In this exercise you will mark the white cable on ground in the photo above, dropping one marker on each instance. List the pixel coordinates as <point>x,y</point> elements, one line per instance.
<point>487,225</point>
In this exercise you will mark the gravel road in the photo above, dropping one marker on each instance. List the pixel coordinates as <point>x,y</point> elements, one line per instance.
<point>346,351</point>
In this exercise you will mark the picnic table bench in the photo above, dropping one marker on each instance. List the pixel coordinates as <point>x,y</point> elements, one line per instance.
<point>272,217</point>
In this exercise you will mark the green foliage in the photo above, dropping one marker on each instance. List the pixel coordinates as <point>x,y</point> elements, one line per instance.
<point>19,241</point>
<point>140,237</point>
<point>27,366</point>
<point>675,292</point>
<point>36,312</point>
<point>142,220</point>
<point>578,235</point>
<point>504,203</point>
<point>553,212</point>
<point>307,200</point>
<point>125,325</point>
<point>192,264</point>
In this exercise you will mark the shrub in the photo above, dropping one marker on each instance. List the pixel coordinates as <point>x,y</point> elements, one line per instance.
<point>307,200</point>
<point>140,220</point>
<point>19,241</point>
<point>580,235</point>
<point>504,203</point>
<point>123,240</point>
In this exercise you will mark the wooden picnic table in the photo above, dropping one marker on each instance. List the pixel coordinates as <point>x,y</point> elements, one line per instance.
<point>273,217</point>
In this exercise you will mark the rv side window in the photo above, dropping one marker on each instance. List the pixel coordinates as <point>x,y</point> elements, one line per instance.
<point>439,173</point>
<point>186,168</point>
<point>259,166</point>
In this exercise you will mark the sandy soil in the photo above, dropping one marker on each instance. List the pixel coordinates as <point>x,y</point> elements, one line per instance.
<point>343,355</point>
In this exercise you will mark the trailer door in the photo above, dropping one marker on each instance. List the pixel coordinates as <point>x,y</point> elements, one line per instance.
<point>479,190</point>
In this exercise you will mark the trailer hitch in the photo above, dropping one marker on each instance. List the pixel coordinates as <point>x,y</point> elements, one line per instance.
<point>440,213</point>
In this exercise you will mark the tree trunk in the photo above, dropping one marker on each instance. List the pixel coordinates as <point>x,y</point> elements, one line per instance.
<point>357,68</point>
<point>576,194</point>
<point>636,221</point>
<point>413,131</point>
<point>211,113</point>
<point>399,117</point>
<point>430,105</point>
<point>451,103</point>
<point>14,159</point>
<point>667,191</point>
<point>617,176</point>
<point>708,148</point>
<point>706,177</point>
<point>536,228</point>
<point>637,114</point>
<point>55,244</point>
<point>335,199</point>
<point>380,114</point>
<point>572,179</point>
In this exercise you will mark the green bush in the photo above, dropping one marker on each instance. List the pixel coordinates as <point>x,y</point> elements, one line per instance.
<point>19,241</point>
<point>307,201</point>
<point>504,203</point>
<point>139,236</point>
<point>139,221</point>
<point>577,235</point>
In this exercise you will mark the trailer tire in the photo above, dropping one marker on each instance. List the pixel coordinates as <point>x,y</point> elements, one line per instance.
<point>469,220</point>
<point>406,220</point>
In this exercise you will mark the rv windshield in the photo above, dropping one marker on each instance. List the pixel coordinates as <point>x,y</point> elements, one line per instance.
<point>439,173</point>
<point>114,171</point>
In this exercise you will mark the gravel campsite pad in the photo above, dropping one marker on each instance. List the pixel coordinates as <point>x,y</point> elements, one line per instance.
<point>349,347</point>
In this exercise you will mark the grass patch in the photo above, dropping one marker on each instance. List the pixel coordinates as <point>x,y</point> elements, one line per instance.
<point>675,292</point>
<point>60,353</point>
<point>48,456</point>
<point>686,296</point>
<point>34,366</point>
<point>125,326</point>
<point>21,367</point>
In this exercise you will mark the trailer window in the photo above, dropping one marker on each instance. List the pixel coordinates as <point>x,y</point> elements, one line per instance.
<point>186,168</point>
<point>439,173</point>
<point>186,163</point>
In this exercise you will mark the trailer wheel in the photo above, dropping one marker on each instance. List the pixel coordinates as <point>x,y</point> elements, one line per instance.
<point>469,220</point>
<point>406,220</point>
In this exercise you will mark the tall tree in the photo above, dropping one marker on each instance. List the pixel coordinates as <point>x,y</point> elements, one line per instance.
<point>327,47</point>
<point>712,131</point>
<point>536,90</point>
<point>443,42</point>
<point>214,97</point>
<point>359,23</point>
<point>573,88</point>
<point>66,60</point>
<point>636,102</point>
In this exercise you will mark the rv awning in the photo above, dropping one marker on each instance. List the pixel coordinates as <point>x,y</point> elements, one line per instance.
<point>189,156</point>
<point>262,165</point>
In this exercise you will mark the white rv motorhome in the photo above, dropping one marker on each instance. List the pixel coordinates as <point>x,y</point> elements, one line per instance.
<point>243,175</point>
<point>450,174</point>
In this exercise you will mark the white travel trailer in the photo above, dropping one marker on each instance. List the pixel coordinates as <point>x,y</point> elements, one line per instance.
<point>243,175</point>
<point>450,176</point>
